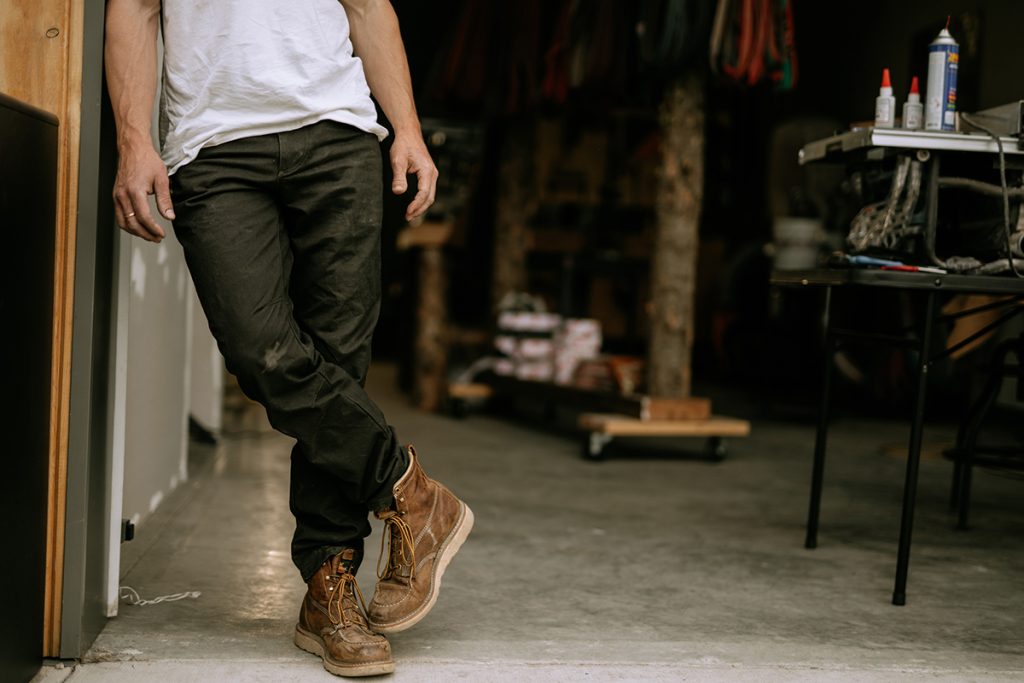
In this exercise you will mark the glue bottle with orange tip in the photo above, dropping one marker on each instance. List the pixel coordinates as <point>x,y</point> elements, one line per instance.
<point>885,104</point>
<point>913,110</point>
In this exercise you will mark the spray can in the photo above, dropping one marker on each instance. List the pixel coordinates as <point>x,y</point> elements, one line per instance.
<point>885,104</point>
<point>940,96</point>
<point>913,110</point>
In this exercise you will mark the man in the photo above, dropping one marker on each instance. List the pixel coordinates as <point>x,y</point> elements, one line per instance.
<point>270,153</point>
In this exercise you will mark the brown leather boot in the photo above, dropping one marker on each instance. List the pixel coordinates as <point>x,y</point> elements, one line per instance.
<point>424,530</point>
<point>332,623</point>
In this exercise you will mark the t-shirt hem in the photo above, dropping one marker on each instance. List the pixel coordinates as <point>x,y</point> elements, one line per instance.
<point>179,159</point>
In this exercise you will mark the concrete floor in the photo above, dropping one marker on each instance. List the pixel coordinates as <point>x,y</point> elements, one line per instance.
<point>641,568</point>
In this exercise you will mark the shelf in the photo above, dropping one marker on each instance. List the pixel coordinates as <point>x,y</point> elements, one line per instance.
<point>865,139</point>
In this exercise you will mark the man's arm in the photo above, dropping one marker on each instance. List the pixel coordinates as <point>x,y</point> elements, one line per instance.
<point>378,42</point>
<point>130,55</point>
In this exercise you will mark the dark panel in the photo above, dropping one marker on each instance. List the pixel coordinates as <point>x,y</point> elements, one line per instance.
<point>28,195</point>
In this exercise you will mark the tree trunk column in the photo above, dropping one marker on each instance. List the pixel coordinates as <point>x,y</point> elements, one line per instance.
<point>516,199</point>
<point>674,262</point>
<point>431,355</point>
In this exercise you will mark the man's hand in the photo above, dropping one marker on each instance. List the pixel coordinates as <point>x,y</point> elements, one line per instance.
<point>378,42</point>
<point>140,173</point>
<point>409,155</point>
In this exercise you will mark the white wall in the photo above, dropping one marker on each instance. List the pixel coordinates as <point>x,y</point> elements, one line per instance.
<point>158,378</point>
<point>159,337</point>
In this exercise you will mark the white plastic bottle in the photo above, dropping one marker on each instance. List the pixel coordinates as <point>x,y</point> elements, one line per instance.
<point>885,104</point>
<point>913,110</point>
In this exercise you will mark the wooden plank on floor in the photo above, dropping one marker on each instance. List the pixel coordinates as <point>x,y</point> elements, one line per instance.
<point>632,405</point>
<point>621,425</point>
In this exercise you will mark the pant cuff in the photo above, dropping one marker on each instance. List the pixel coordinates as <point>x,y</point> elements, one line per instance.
<point>311,563</point>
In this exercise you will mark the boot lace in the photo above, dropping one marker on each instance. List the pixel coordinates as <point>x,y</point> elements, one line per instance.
<point>346,604</point>
<point>401,546</point>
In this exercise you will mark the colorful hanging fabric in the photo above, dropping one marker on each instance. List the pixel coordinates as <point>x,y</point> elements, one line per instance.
<point>753,41</point>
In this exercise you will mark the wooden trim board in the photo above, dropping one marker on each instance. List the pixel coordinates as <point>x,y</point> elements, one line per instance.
<point>469,391</point>
<point>621,425</point>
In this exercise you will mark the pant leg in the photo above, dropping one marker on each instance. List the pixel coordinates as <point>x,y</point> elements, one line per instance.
<point>331,196</point>
<point>230,223</point>
<point>332,205</point>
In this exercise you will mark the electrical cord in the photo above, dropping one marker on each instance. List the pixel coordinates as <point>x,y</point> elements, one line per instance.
<point>971,121</point>
<point>132,597</point>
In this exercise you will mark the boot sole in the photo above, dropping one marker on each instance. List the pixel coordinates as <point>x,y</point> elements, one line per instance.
<point>445,554</point>
<point>313,644</point>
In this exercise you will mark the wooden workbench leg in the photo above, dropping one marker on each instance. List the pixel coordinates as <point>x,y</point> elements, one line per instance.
<point>821,438</point>
<point>899,595</point>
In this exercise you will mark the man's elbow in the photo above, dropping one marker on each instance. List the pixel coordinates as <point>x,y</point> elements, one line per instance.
<point>360,9</point>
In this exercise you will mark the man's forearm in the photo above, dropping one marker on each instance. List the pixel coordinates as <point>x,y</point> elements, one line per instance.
<point>130,55</point>
<point>131,80</point>
<point>378,43</point>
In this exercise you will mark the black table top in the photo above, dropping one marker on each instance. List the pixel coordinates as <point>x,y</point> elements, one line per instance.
<point>873,277</point>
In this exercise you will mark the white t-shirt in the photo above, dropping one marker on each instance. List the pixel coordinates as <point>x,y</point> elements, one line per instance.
<point>239,68</point>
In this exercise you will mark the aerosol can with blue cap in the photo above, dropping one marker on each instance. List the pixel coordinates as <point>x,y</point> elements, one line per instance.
<point>940,95</point>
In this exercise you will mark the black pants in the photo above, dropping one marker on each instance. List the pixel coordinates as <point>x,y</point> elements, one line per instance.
<point>281,233</point>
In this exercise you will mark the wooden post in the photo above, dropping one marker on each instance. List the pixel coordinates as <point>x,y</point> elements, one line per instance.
<point>515,204</point>
<point>674,262</point>
<point>430,352</point>
<point>431,355</point>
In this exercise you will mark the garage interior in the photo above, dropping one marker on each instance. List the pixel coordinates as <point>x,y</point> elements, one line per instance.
<point>622,334</point>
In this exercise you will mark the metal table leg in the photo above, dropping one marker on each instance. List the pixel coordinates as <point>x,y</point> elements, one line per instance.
<point>970,430</point>
<point>821,439</point>
<point>899,596</point>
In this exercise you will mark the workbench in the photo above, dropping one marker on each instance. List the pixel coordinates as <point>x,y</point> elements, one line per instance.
<point>926,289</point>
<point>928,147</point>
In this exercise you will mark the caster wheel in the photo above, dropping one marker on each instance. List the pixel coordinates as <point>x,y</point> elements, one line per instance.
<point>715,449</point>
<point>457,408</point>
<point>593,446</point>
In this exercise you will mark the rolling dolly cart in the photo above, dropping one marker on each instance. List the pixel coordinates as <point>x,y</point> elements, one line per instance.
<point>601,428</point>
